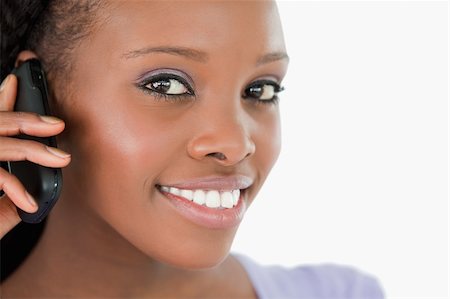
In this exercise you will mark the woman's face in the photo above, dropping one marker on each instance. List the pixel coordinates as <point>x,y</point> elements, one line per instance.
<point>174,93</point>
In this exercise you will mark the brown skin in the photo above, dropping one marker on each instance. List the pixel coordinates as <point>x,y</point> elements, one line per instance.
<point>111,233</point>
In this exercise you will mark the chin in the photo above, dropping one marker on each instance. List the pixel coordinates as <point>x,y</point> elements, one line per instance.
<point>194,255</point>
<point>200,262</point>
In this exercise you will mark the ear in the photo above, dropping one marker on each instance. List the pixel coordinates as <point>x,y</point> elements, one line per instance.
<point>24,56</point>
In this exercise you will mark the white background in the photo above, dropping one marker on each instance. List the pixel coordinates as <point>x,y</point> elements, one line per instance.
<point>362,178</point>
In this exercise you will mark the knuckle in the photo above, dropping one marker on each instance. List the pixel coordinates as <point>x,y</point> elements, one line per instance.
<point>6,180</point>
<point>10,184</point>
<point>12,123</point>
<point>26,116</point>
<point>15,149</point>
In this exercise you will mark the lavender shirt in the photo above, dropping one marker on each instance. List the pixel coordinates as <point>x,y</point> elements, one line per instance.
<point>325,281</point>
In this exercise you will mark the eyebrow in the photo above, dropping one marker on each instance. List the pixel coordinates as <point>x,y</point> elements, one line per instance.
<point>197,55</point>
<point>271,57</point>
<point>192,54</point>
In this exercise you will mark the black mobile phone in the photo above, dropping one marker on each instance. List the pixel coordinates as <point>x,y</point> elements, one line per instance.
<point>43,183</point>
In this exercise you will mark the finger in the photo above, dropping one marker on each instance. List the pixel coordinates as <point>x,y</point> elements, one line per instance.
<point>16,192</point>
<point>15,123</point>
<point>8,92</point>
<point>9,217</point>
<point>14,149</point>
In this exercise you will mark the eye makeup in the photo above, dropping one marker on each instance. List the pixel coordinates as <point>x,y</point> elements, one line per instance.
<point>166,84</point>
<point>175,85</point>
<point>263,91</point>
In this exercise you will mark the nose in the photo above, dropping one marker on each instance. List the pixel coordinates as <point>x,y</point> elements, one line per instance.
<point>223,136</point>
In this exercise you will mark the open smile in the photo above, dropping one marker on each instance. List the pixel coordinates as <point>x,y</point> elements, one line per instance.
<point>208,208</point>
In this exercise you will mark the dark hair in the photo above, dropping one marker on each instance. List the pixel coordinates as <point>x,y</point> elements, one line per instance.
<point>52,29</point>
<point>16,21</point>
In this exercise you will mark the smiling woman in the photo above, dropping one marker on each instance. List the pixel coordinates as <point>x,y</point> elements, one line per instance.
<point>169,110</point>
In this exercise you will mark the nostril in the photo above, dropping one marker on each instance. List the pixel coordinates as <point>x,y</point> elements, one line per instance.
<point>219,156</point>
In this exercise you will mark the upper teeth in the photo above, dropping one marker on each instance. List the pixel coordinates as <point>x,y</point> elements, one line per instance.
<point>209,198</point>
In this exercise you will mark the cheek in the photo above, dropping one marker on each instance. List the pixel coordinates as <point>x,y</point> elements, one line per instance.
<point>268,141</point>
<point>267,138</point>
<point>118,149</point>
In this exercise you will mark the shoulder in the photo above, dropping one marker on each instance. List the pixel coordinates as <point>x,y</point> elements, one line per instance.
<point>325,281</point>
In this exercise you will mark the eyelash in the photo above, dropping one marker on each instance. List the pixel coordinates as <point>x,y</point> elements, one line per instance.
<point>163,96</point>
<point>181,97</point>
<point>277,89</point>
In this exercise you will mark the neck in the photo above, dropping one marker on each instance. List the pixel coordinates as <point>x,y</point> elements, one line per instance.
<point>80,254</point>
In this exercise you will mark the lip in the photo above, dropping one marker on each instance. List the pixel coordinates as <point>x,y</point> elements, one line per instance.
<point>204,216</point>
<point>214,183</point>
<point>207,217</point>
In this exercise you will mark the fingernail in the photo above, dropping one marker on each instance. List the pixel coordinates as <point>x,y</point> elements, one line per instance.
<point>50,119</point>
<point>31,199</point>
<point>4,82</point>
<point>57,152</point>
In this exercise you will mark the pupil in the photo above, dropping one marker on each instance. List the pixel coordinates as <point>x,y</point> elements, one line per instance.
<point>256,91</point>
<point>161,86</point>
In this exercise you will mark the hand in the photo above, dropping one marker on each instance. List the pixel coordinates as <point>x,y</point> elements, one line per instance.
<point>14,149</point>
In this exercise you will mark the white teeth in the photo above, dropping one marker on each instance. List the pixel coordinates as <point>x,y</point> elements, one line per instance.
<point>209,198</point>
<point>226,200</point>
<point>174,191</point>
<point>188,194</point>
<point>199,197</point>
<point>236,195</point>
<point>213,199</point>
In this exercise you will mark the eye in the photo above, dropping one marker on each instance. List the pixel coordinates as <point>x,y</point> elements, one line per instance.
<point>263,91</point>
<point>168,84</point>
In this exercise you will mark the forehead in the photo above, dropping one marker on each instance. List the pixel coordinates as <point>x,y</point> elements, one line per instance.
<point>216,27</point>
